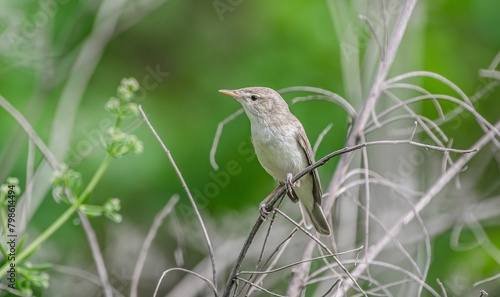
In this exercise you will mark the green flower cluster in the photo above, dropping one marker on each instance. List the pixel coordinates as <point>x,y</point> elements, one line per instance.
<point>110,210</point>
<point>122,106</point>
<point>121,143</point>
<point>66,184</point>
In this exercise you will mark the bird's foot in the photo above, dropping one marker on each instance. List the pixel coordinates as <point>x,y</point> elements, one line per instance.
<point>289,188</point>
<point>264,213</point>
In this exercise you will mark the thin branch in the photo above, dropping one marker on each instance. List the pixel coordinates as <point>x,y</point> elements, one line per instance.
<point>320,138</point>
<point>393,267</point>
<point>479,118</point>
<point>375,35</point>
<point>96,254</point>
<point>218,133</point>
<point>395,241</point>
<point>422,203</point>
<point>419,89</point>
<point>333,97</point>
<point>413,114</point>
<point>495,61</point>
<point>260,287</point>
<point>323,246</point>
<point>188,192</point>
<point>206,280</point>
<point>366,168</point>
<point>74,271</point>
<point>298,262</point>
<point>489,279</point>
<point>495,74</point>
<point>158,220</point>
<point>321,162</point>
<point>442,287</point>
<point>23,122</point>
<point>239,260</point>
<point>432,75</point>
<point>278,252</point>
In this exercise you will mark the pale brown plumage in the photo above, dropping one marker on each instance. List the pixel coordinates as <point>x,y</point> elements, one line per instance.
<point>282,147</point>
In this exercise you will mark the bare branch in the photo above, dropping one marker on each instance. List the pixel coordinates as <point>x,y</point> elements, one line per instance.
<point>495,74</point>
<point>96,254</point>
<point>23,122</point>
<point>218,133</point>
<point>204,279</point>
<point>158,220</point>
<point>320,138</point>
<point>330,96</point>
<point>260,287</point>
<point>442,287</point>
<point>323,246</point>
<point>422,203</point>
<point>489,279</point>
<point>191,199</point>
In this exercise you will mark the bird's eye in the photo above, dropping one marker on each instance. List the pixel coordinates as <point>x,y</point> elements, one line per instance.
<point>254,97</point>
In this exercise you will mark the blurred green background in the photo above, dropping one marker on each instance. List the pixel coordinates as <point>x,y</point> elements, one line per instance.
<point>199,50</point>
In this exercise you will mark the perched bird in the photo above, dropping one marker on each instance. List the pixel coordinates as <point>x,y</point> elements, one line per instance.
<point>282,147</point>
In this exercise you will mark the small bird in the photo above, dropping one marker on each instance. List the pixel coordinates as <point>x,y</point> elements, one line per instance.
<point>282,147</point>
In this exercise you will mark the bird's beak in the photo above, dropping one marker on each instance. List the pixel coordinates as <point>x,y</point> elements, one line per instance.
<point>231,93</point>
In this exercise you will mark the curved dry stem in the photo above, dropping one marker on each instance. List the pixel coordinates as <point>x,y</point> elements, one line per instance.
<point>378,179</point>
<point>259,287</point>
<point>488,73</point>
<point>281,191</point>
<point>218,134</point>
<point>395,268</point>
<point>23,122</point>
<point>96,254</point>
<point>298,262</point>
<point>403,131</point>
<point>434,75</point>
<point>278,252</point>
<point>374,286</point>
<point>330,96</point>
<point>479,118</point>
<point>74,271</point>
<point>204,279</point>
<point>422,203</point>
<point>489,279</point>
<point>323,246</point>
<point>413,114</point>
<point>419,89</point>
<point>366,169</point>
<point>374,33</point>
<point>188,192</point>
<point>158,220</point>
<point>395,241</point>
<point>320,138</point>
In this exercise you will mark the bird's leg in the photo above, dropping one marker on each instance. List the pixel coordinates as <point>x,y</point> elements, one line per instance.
<point>289,188</point>
<point>262,206</point>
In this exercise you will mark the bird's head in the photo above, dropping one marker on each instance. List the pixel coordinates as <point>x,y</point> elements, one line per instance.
<point>259,102</point>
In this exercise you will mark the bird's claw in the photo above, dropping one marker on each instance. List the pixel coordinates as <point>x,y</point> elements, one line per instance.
<point>264,213</point>
<point>289,188</point>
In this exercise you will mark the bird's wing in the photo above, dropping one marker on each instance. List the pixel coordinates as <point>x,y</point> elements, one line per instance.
<point>306,146</point>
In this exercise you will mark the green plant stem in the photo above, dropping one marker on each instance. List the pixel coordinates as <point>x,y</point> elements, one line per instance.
<point>64,217</point>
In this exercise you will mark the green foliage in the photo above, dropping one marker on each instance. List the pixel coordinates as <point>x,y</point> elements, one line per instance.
<point>67,187</point>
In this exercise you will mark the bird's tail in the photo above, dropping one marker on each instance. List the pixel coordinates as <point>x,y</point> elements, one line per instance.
<point>315,218</point>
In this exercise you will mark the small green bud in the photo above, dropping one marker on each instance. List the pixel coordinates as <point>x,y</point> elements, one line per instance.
<point>113,105</point>
<point>124,93</point>
<point>66,184</point>
<point>122,143</point>
<point>131,84</point>
<point>111,209</point>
